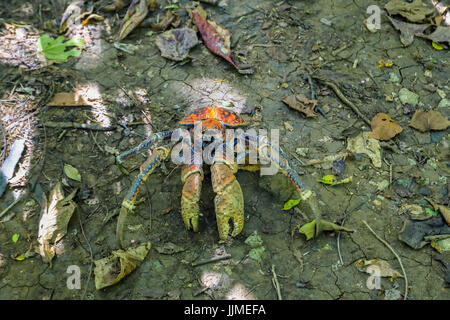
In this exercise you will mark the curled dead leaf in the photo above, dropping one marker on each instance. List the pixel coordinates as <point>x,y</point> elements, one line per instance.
<point>426,121</point>
<point>383,127</point>
<point>112,269</point>
<point>54,221</point>
<point>301,103</point>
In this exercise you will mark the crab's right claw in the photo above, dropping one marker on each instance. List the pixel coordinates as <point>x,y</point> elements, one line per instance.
<point>229,200</point>
<point>136,13</point>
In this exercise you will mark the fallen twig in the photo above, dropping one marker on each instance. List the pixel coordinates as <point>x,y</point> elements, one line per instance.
<point>75,125</point>
<point>275,283</point>
<point>4,144</point>
<point>214,259</point>
<point>341,96</point>
<point>395,254</point>
<point>10,206</point>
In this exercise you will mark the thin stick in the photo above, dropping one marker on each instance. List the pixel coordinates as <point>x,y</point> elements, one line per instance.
<point>395,254</point>
<point>214,259</point>
<point>10,206</point>
<point>275,283</point>
<point>4,143</point>
<point>75,125</point>
<point>90,252</point>
<point>341,96</point>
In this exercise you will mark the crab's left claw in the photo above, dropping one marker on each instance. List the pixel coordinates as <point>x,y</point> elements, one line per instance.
<point>136,13</point>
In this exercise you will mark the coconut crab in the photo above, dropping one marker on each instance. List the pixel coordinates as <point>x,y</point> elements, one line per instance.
<point>229,202</point>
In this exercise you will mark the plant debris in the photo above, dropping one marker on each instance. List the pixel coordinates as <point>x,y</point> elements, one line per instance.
<point>217,39</point>
<point>53,223</point>
<point>68,99</point>
<point>301,103</point>
<point>363,144</point>
<point>432,120</point>
<point>428,31</point>
<point>176,43</point>
<point>415,11</point>
<point>378,267</point>
<point>383,127</point>
<point>313,229</point>
<point>110,270</point>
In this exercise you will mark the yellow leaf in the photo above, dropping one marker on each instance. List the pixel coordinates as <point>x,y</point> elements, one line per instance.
<point>437,46</point>
<point>291,203</point>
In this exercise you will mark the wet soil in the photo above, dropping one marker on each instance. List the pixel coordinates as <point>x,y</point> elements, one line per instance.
<point>284,41</point>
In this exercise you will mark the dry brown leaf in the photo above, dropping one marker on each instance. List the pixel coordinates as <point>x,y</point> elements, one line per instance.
<point>414,11</point>
<point>54,222</point>
<point>383,127</point>
<point>426,121</point>
<point>377,267</point>
<point>68,99</point>
<point>409,30</point>
<point>301,103</point>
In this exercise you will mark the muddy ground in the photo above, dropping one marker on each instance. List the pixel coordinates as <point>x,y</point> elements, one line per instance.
<point>284,41</point>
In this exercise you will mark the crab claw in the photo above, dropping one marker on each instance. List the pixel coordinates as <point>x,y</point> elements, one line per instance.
<point>136,13</point>
<point>192,177</point>
<point>229,200</point>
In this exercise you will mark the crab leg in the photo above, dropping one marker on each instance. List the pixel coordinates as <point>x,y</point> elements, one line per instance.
<point>229,200</point>
<point>158,155</point>
<point>192,176</point>
<point>275,155</point>
<point>144,145</point>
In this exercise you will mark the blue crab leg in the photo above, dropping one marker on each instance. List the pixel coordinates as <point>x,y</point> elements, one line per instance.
<point>157,137</point>
<point>158,155</point>
<point>282,161</point>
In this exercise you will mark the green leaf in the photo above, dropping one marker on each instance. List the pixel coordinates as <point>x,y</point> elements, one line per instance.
<point>171,6</point>
<point>72,172</point>
<point>431,212</point>
<point>55,49</point>
<point>291,203</point>
<point>15,237</point>
<point>21,257</point>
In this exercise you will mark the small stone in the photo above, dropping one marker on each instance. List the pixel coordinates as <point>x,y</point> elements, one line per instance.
<point>393,77</point>
<point>254,240</point>
<point>425,191</point>
<point>283,24</point>
<point>392,294</point>
<point>441,93</point>
<point>428,74</point>
<point>256,253</point>
<point>403,192</point>
<point>288,126</point>
<point>436,136</point>
<point>325,21</point>
<point>444,103</point>
<point>284,85</point>
<point>409,97</point>
<point>302,151</point>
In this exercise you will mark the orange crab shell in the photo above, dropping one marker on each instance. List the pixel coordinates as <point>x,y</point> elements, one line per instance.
<point>225,116</point>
